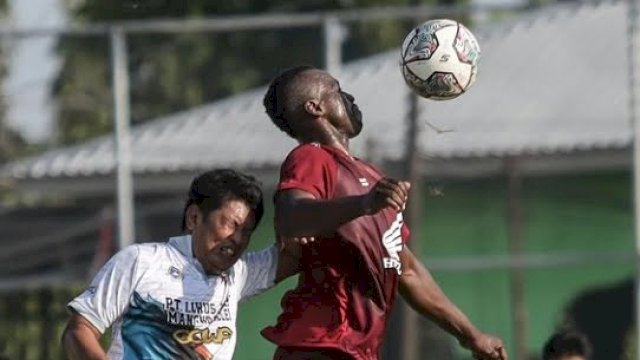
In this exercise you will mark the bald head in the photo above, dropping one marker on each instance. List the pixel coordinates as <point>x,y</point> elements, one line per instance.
<point>287,93</point>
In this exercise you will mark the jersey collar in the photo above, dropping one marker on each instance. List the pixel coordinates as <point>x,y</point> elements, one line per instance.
<point>183,245</point>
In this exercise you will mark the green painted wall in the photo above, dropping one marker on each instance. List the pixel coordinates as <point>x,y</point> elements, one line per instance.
<point>587,213</point>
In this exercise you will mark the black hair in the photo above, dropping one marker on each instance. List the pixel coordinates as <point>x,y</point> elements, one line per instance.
<point>281,94</point>
<point>212,189</point>
<point>567,343</point>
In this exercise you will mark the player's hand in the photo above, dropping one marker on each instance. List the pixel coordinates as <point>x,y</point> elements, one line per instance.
<point>292,246</point>
<point>486,347</point>
<point>387,193</point>
<point>304,240</point>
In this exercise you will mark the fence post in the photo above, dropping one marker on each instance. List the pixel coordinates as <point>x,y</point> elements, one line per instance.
<point>334,34</point>
<point>125,200</point>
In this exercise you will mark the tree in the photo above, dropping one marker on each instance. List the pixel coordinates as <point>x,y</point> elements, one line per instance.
<point>174,72</point>
<point>11,142</point>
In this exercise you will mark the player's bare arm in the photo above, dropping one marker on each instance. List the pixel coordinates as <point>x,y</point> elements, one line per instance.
<point>301,214</point>
<point>80,340</point>
<point>420,290</point>
<point>289,253</point>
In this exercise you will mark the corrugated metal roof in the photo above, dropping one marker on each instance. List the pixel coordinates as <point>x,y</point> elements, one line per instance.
<point>554,81</point>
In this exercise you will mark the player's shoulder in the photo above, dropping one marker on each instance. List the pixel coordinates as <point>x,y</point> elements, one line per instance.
<point>151,256</point>
<point>150,252</point>
<point>152,248</point>
<point>257,261</point>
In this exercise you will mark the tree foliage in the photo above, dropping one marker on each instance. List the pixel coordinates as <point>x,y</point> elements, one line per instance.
<point>174,72</point>
<point>12,144</point>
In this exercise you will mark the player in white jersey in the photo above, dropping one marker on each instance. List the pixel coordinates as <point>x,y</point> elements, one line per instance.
<point>179,299</point>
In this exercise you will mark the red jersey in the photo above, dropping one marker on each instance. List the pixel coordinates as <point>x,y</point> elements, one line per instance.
<point>348,282</point>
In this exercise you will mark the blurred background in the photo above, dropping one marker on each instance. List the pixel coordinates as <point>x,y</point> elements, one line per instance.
<point>523,205</point>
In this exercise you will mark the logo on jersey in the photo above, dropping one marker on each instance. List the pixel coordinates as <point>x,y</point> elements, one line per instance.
<point>146,334</point>
<point>195,313</point>
<point>174,272</point>
<point>392,242</point>
<point>363,181</point>
<point>202,336</point>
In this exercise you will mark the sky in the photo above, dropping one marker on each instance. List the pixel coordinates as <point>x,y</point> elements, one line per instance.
<point>31,68</point>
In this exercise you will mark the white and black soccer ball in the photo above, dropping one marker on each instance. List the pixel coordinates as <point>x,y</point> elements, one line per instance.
<point>439,59</point>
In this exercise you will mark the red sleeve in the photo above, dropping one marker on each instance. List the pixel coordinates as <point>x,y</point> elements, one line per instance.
<point>311,169</point>
<point>406,233</point>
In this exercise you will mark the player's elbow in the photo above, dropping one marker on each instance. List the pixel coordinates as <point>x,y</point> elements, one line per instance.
<point>80,339</point>
<point>69,339</point>
<point>420,298</point>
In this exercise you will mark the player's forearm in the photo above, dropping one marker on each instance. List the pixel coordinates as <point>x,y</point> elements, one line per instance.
<point>80,343</point>
<point>312,217</point>
<point>423,294</point>
<point>288,263</point>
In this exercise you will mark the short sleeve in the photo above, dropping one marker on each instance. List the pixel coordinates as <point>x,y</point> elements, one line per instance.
<point>109,293</point>
<point>256,271</point>
<point>406,233</point>
<point>309,168</point>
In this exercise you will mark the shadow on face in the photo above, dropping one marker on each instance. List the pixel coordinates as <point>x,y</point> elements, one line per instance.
<point>220,237</point>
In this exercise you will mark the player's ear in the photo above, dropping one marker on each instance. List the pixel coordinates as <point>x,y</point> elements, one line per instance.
<point>191,217</point>
<point>313,107</point>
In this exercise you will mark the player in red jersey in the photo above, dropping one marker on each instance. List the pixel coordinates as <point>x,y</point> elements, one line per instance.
<point>349,277</point>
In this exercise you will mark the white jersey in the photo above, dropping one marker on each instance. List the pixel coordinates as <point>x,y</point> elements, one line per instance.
<point>162,305</point>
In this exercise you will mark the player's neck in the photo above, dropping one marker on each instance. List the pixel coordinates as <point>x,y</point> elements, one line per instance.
<point>341,146</point>
<point>336,141</point>
<point>339,141</point>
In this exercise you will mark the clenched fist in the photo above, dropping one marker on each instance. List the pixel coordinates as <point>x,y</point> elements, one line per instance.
<point>486,347</point>
<point>386,193</point>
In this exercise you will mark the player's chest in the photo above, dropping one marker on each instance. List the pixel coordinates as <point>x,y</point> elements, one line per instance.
<point>354,179</point>
<point>188,297</point>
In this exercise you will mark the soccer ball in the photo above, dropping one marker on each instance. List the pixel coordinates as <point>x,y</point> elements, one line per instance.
<point>439,59</point>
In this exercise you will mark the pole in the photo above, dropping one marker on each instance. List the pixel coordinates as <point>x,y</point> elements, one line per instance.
<point>126,229</point>
<point>516,249</point>
<point>634,107</point>
<point>333,34</point>
<point>413,174</point>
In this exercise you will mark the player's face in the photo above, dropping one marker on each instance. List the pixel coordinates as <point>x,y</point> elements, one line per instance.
<point>344,114</point>
<point>221,237</point>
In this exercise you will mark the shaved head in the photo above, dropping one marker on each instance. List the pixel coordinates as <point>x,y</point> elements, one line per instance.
<point>288,92</point>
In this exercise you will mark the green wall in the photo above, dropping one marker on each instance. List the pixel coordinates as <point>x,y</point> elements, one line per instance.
<point>586,213</point>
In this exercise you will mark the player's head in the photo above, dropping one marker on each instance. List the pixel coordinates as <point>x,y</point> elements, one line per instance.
<point>308,103</point>
<point>567,345</point>
<point>222,210</point>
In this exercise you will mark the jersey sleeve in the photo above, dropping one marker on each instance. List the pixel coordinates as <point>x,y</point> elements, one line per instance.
<point>309,168</point>
<point>406,233</point>
<point>257,271</point>
<point>109,293</point>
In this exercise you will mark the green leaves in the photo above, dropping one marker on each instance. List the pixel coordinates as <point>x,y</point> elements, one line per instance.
<point>173,72</point>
